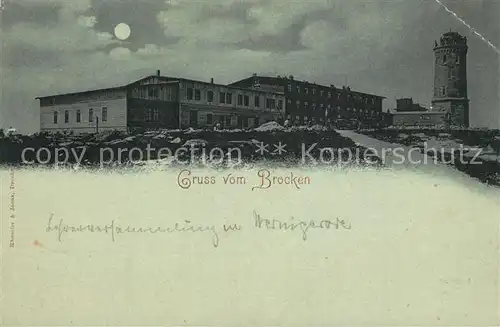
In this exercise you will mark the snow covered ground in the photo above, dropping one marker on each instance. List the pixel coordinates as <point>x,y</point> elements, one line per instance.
<point>444,143</point>
<point>400,157</point>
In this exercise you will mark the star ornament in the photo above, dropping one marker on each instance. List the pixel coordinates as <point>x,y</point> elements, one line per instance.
<point>262,148</point>
<point>280,148</point>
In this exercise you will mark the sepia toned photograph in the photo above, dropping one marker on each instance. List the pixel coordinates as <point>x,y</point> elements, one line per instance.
<point>250,162</point>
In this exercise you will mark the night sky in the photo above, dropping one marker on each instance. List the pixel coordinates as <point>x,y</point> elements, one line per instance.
<point>379,46</point>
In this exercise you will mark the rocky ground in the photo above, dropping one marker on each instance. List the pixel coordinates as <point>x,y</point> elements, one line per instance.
<point>268,144</point>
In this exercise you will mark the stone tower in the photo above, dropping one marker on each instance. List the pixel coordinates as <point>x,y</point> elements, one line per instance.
<point>450,79</point>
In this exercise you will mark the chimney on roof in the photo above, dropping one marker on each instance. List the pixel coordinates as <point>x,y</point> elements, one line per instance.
<point>158,72</point>
<point>212,80</point>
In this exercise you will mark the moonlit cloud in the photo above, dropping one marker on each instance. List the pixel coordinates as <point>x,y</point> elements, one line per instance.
<point>120,53</point>
<point>87,21</point>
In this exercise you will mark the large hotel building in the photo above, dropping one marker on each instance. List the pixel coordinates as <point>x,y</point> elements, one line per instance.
<point>309,102</point>
<point>156,102</point>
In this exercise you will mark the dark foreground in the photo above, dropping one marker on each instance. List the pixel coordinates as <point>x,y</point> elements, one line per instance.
<point>278,148</point>
<point>186,147</point>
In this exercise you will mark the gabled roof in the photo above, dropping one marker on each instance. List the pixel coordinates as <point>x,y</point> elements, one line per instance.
<point>229,86</point>
<point>276,78</point>
<point>166,79</point>
<point>81,92</point>
<point>118,86</point>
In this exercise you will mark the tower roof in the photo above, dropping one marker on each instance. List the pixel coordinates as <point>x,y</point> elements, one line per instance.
<point>452,38</point>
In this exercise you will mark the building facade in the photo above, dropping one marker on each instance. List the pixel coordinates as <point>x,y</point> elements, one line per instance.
<point>152,104</point>
<point>205,104</point>
<point>313,103</point>
<point>85,112</point>
<point>156,102</point>
<point>407,105</point>
<point>450,79</point>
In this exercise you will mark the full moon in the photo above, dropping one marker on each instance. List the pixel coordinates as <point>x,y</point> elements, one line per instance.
<point>122,31</point>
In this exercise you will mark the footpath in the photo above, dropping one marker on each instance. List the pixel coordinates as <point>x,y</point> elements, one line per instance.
<point>398,157</point>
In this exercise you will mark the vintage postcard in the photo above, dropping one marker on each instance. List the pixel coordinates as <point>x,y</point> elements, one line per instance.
<point>249,163</point>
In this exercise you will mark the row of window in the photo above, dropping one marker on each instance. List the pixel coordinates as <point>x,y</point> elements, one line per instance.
<point>227,120</point>
<point>329,107</point>
<point>305,119</point>
<point>152,115</point>
<point>104,115</point>
<point>153,93</point>
<point>227,98</point>
<point>322,93</point>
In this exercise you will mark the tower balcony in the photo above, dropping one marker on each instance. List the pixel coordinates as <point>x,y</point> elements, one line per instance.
<point>451,39</point>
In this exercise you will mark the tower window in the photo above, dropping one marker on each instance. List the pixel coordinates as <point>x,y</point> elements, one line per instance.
<point>444,59</point>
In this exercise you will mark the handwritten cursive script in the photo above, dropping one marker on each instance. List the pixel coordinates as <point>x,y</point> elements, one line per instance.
<point>303,226</point>
<point>113,229</point>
